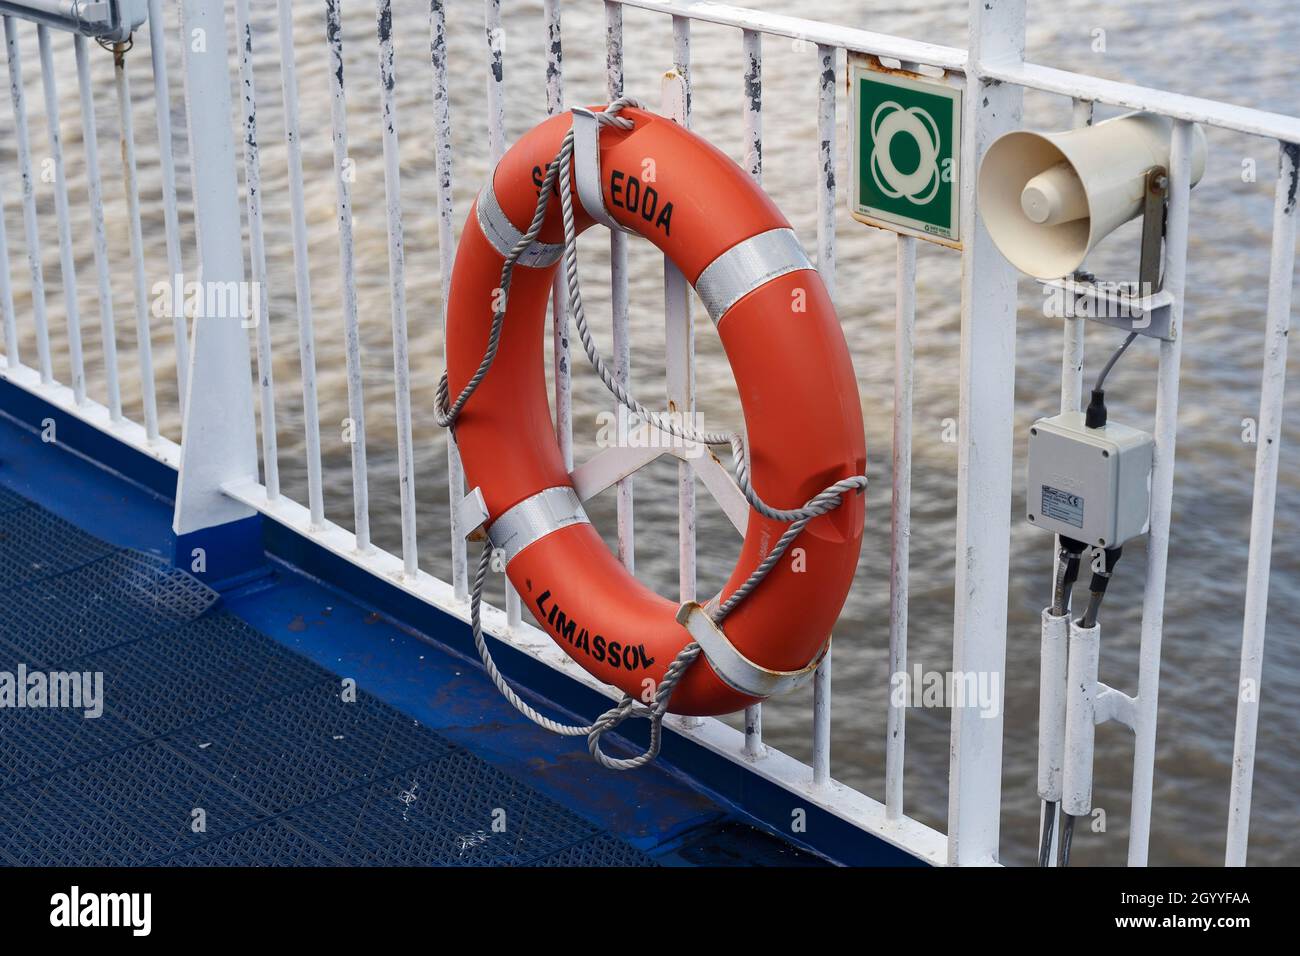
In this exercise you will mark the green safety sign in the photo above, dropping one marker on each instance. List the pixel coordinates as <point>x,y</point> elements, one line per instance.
<point>905,151</point>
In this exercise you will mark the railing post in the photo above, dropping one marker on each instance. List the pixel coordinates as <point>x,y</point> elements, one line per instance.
<point>987,406</point>
<point>826,73</point>
<point>1178,218</point>
<point>219,440</point>
<point>1268,448</point>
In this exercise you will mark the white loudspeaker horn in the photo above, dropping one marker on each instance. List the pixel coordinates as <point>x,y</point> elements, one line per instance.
<point>1048,198</point>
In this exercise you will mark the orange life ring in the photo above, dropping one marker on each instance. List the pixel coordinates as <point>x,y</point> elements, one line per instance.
<point>791,365</point>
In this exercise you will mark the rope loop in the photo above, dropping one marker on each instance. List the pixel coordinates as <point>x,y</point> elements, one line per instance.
<point>610,719</point>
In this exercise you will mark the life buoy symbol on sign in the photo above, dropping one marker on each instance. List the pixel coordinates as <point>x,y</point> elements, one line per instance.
<point>889,120</point>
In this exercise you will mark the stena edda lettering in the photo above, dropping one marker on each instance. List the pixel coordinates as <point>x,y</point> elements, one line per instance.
<point>642,199</point>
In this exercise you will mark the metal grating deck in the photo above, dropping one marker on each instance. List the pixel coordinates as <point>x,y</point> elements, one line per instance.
<point>204,713</point>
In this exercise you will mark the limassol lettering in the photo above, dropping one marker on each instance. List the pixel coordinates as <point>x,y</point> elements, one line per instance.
<point>624,656</point>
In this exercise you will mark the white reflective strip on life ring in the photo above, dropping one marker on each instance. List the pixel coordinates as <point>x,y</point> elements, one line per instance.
<point>735,669</point>
<point>746,266</point>
<point>534,518</point>
<point>502,234</point>
<point>586,167</point>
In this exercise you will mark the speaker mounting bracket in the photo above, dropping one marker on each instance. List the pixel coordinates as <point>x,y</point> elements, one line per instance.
<point>1143,306</point>
<point>1084,296</point>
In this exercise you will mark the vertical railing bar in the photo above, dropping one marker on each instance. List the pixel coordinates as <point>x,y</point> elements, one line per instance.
<point>397,284</point>
<point>680,331</point>
<point>826,167</point>
<point>12,360</point>
<point>986,405</point>
<point>302,277</point>
<point>1072,360</point>
<point>257,252</point>
<point>496,85</point>
<point>1072,347</point>
<point>167,166</point>
<point>559,313</point>
<point>752,47</point>
<point>348,278</point>
<point>1072,354</point>
<point>1162,494</point>
<point>446,257</point>
<point>1267,452</point>
<point>67,262</point>
<point>497,149</point>
<point>826,268</point>
<point>752,44</point>
<point>618,287</point>
<point>31,229</point>
<point>682,60</point>
<point>95,188</point>
<point>144,342</point>
<point>900,533</point>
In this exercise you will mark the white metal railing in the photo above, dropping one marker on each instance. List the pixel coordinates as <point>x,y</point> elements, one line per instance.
<point>219,475</point>
<point>108,413</point>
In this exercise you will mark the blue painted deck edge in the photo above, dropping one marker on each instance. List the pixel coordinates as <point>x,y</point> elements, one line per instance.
<point>767,803</point>
<point>85,440</point>
<point>753,798</point>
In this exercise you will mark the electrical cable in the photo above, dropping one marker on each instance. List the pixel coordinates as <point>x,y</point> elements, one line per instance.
<point>1097,587</point>
<point>1067,572</point>
<point>1045,842</point>
<point>1067,838</point>
<point>1095,416</point>
<point>1110,364</point>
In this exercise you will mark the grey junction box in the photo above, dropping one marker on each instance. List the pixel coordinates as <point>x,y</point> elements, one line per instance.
<point>1091,484</point>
